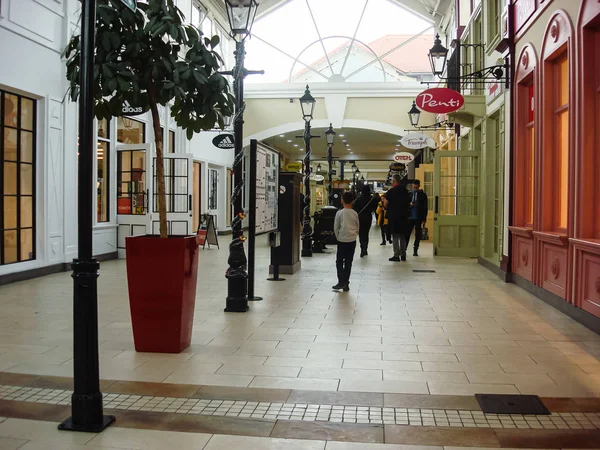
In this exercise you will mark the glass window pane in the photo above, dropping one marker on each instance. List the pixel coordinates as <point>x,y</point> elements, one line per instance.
<point>26,244</point>
<point>563,81</point>
<point>26,212</point>
<point>10,178</point>
<point>10,246</point>
<point>104,128</point>
<point>11,105</point>
<point>10,212</point>
<point>26,146</point>
<point>27,113</point>
<point>10,144</point>
<point>130,131</point>
<point>26,179</point>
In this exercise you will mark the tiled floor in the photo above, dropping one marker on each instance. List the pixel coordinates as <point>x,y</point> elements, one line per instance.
<point>459,330</point>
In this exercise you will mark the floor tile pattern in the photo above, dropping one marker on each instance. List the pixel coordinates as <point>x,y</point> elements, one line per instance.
<point>314,412</point>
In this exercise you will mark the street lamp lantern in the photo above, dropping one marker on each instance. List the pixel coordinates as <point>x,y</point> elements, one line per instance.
<point>330,135</point>
<point>307,102</point>
<point>241,14</point>
<point>414,114</point>
<point>438,54</point>
<point>319,168</point>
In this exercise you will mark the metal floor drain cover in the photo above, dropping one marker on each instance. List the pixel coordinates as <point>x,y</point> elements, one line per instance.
<point>423,271</point>
<point>511,404</point>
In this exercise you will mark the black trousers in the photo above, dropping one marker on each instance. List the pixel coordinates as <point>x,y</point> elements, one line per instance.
<point>344,258</point>
<point>386,235</point>
<point>363,235</point>
<point>416,225</point>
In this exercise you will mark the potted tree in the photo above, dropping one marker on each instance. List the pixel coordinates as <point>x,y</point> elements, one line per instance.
<point>147,58</point>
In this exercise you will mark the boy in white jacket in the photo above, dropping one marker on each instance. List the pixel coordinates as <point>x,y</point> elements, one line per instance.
<point>345,227</point>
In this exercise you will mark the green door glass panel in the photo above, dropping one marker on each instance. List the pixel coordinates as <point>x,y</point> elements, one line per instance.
<point>456,203</point>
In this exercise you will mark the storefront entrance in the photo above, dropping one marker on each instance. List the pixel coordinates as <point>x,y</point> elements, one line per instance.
<point>137,209</point>
<point>456,203</point>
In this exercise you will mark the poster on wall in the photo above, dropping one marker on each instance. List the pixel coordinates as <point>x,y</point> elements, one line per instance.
<point>267,189</point>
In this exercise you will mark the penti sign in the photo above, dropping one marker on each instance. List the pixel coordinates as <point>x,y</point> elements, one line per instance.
<point>440,100</point>
<point>131,4</point>
<point>415,141</point>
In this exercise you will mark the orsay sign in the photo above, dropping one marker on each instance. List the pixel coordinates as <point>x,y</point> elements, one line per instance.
<point>415,141</point>
<point>404,157</point>
<point>440,100</point>
<point>224,141</point>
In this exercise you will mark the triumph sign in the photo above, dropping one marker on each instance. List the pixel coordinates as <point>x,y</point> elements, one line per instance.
<point>440,100</point>
<point>416,141</point>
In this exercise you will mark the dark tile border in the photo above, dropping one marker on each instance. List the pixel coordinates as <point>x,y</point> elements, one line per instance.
<point>329,431</point>
<point>497,270</point>
<point>458,402</point>
<point>549,438</point>
<point>47,270</point>
<point>441,436</point>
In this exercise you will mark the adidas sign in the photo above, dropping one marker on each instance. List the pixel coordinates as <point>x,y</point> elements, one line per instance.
<point>225,141</point>
<point>130,110</point>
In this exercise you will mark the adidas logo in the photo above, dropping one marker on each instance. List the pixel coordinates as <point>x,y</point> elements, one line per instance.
<point>128,109</point>
<point>226,143</point>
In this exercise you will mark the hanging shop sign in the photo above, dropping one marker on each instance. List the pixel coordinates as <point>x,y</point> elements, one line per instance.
<point>404,157</point>
<point>416,141</point>
<point>293,167</point>
<point>440,100</point>
<point>224,141</point>
<point>317,177</point>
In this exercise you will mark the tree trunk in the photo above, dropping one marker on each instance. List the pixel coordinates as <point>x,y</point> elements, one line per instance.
<point>160,166</point>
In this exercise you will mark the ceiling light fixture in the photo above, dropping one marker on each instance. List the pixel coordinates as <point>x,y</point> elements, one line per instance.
<point>289,140</point>
<point>281,135</point>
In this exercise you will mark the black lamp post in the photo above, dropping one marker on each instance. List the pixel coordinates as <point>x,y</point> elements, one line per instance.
<point>241,14</point>
<point>86,401</point>
<point>330,136</point>
<point>307,102</point>
<point>438,54</point>
<point>414,114</point>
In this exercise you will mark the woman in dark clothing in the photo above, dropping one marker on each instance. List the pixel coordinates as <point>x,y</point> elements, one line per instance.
<point>365,205</point>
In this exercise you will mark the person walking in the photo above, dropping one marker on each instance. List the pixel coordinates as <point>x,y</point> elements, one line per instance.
<point>397,203</point>
<point>345,227</point>
<point>365,206</point>
<point>418,215</point>
<point>383,222</point>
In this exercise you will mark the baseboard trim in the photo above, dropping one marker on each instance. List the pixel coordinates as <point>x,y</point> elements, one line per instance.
<point>583,317</point>
<point>494,269</point>
<point>47,270</point>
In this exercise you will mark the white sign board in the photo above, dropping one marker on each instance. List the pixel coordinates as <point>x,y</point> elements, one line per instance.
<point>416,141</point>
<point>404,157</point>
<point>317,177</point>
<point>267,189</point>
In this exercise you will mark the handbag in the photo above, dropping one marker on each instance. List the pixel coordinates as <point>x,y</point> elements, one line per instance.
<point>424,234</point>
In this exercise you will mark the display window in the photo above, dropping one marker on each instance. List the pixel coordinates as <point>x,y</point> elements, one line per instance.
<point>17,178</point>
<point>130,131</point>
<point>103,172</point>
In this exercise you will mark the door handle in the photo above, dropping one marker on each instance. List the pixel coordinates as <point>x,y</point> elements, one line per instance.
<point>437,205</point>
<point>190,203</point>
<point>147,201</point>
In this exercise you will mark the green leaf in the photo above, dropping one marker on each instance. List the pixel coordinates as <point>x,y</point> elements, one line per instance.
<point>215,41</point>
<point>189,134</point>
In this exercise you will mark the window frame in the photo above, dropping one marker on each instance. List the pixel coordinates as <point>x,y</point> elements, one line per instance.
<point>18,194</point>
<point>106,177</point>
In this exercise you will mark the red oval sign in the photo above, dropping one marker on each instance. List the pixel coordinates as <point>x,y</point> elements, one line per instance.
<point>440,100</point>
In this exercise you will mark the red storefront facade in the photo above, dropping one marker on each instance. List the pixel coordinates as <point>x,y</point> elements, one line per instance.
<point>555,226</point>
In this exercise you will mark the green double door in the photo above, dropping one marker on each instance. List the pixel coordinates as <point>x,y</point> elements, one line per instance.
<point>456,203</point>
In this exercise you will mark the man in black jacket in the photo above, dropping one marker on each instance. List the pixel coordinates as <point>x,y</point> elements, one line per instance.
<point>365,205</point>
<point>397,203</point>
<point>418,214</point>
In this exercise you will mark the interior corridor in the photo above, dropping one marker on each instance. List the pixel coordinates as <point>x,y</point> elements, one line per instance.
<point>408,346</point>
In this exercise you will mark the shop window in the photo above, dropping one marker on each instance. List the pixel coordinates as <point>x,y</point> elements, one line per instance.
<point>561,141</point>
<point>103,171</point>
<point>17,178</point>
<point>130,131</point>
<point>213,182</point>
<point>494,18</point>
<point>131,182</point>
<point>529,160</point>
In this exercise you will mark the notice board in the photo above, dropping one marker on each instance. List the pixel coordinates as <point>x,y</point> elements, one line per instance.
<point>267,189</point>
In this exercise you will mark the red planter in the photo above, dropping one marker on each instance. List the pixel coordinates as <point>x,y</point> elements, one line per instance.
<point>162,275</point>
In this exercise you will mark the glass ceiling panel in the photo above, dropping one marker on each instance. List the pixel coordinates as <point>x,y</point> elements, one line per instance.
<point>286,42</point>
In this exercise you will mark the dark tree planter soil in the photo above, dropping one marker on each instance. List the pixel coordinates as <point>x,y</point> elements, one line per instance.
<point>162,275</point>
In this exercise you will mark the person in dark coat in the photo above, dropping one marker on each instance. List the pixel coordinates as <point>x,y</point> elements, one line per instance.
<point>418,214</point>
<point>365,205</point>
<point>397,203</point>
